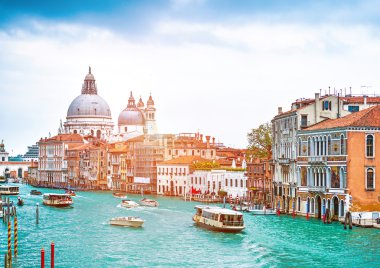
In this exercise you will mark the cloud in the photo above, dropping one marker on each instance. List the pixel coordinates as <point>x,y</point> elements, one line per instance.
<point>222,78</point>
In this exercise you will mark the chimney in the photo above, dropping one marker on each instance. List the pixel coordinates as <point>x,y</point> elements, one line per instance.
<point>201,139</point>
<point>208,141</point>
<point>213,140</point>
<point>279,110</point>
<point>316,97</point>
<point>365,101</point>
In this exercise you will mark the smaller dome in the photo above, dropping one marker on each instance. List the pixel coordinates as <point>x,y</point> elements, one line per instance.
<point>131,117</point>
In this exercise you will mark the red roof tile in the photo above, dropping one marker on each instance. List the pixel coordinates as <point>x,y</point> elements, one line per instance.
<point>365,118</point>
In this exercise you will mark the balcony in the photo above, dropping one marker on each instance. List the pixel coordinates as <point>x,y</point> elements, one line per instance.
<point>317,160</point>
<point>283,161</point>
<point>317,189</point>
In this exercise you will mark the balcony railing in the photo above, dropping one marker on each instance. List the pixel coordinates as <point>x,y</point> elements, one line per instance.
<point>283,160</point>
<point>318,189</point>
<point>317,160</point>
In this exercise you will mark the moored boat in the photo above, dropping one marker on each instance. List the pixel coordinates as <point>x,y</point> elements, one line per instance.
<point>9,190</point>
<point>219,219</point>
<point>149,202</point>
<point>264,211</point>
<point>127,221</point>
<point>119,195</point>
<point>35,192</point>
<point>127,203</point>
<point>57,200</point>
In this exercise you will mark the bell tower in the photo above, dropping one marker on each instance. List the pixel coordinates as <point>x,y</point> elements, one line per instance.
<point>150,117</point>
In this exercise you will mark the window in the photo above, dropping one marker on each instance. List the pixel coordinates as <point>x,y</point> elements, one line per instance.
<point>353,108</point>
<point>370,182</point>
<point>342,145</point>
<point>303,120</point>
<point>369,146</point>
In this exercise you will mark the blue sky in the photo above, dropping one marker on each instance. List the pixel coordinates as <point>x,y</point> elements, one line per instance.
<point>221,67</point>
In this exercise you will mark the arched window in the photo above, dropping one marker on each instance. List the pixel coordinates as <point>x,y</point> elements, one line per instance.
<point>370,183</point>
<point>75,131</point>
<point>299,204</point>
<point>369,146</point>
<point>312,206</point>
<point>329,145</point>
<point>342,149</point>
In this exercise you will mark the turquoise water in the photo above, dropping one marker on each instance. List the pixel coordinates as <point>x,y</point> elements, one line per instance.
<point>83,238</point>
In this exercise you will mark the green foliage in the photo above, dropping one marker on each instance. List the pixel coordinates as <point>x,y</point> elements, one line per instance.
<point>260,142</point>
<point>207,165</point>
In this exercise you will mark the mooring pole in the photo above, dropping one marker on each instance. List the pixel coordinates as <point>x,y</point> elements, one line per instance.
<point>9,243</point>
<point>52,255</point>
<point>37,214</point>
<point>42,258</point>
<point>15,238</point>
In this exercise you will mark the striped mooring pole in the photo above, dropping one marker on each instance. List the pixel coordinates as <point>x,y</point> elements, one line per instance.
<point>15,238</point>
<point>9,243</point>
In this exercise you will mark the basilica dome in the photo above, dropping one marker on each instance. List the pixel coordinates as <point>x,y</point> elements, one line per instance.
<point>89,105</point>
<point>131,115</point>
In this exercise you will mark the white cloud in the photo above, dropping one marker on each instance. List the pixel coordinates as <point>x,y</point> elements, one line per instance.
<point>221,79</point>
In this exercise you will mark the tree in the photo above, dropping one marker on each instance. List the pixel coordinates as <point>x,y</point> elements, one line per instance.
<point>260,142</point>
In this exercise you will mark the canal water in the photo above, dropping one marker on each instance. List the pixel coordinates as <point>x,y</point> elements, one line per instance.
<point>83,238</point>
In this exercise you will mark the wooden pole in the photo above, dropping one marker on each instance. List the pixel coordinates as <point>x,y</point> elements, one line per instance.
<point>15,238</point>
<point>9,243</point>
<point>37,214</point>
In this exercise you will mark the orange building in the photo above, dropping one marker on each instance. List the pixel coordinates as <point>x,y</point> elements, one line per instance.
<point>338,165</point>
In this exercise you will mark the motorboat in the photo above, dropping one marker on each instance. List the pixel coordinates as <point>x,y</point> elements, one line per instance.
<point>35,192</point>
<point>127,221</point>
<point>57,200</point>
<point>149,202</point>
<point>119,195</point>
<point>244,206</point>
<point>20,202</point>
<point>219,219</point>
<point>127,203</point>
<point>9,190</point>
<point>70,192</point>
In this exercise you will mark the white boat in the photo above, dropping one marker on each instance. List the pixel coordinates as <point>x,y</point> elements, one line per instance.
<point>126,203</point>
<point>127,221</point>
<point>149,202</point>
<point>9,190</point>
<point>57,200</point>
<point>264,211</point>
<point>119,195</point>
<point>219,219</point>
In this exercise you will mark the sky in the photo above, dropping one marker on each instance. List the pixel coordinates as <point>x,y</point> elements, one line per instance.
<point>220,67</point>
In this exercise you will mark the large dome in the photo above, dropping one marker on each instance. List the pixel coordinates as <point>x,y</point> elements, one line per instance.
<point>89,105</point>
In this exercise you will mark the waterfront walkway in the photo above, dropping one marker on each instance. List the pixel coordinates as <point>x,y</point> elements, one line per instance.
<point>83,237</point>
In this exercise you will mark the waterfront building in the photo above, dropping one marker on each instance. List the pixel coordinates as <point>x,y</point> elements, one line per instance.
<point>87,165</point>
<point>358,103</point>
<point>89,114</point>
<point>259,181</point>
<point>215,180</point>
<point>337,165</point>
<point>12,169</point>
<point>52,164</point>
<point>172,175</point>
<point>303,113</point>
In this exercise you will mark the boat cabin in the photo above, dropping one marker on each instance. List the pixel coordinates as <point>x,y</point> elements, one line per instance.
<point>9,190</point>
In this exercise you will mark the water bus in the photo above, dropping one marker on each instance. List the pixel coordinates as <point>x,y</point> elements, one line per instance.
<point>127,221</point>
<point>9,190</point>
<point>219,219</point>
<point>57,200</point>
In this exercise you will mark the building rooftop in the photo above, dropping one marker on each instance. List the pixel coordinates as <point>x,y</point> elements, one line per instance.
<point>365,118</point>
